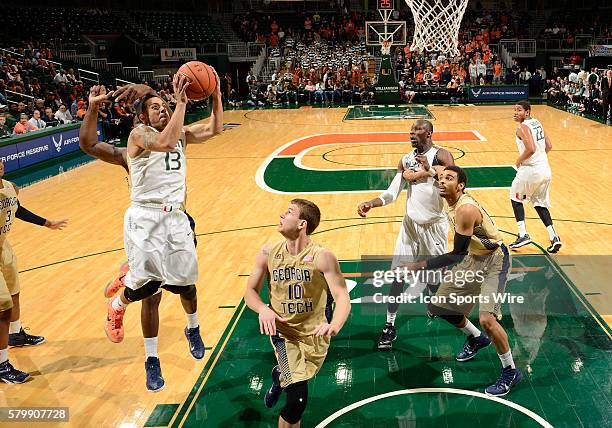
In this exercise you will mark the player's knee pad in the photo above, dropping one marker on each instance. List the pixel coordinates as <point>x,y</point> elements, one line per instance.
<point>449,316</point>
<point>189,293</point>
<point>186,291</point>
<point>454,319</point>
<point>297,397</point>
<point>147,290</point>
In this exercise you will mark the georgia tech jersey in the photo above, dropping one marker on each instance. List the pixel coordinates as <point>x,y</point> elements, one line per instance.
<point>8,207</point>
<point>298,291</point>
<point>486,238</point>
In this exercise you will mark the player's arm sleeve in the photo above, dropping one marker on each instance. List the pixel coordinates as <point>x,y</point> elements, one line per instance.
<point>28,216</point>
<point>460,250</point>
<point>394,190</point>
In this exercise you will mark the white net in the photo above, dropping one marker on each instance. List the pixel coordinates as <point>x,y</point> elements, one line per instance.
<point>385,47</point>
<point>436,25</point>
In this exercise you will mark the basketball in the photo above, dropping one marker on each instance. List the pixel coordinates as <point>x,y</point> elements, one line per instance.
<point>202,80</point>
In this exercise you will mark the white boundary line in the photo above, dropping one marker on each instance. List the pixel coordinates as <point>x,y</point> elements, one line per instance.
<point>325,422</point>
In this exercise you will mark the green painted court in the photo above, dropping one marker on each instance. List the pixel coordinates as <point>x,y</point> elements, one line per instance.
<point>561,349</point>
<point>388,112</point>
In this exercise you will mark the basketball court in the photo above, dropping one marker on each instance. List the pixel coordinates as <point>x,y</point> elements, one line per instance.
<point>238,185</point>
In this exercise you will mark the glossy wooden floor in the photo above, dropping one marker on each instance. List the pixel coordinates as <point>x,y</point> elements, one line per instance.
<point>63,273</point>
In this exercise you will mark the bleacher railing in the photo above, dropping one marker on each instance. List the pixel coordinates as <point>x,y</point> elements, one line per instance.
<point>161,78</point>
<point>99,63</point>
<point>146,76</point>
<point>68,55</point>
<point>90,76</point>
<point>84,59</point>
<point>580,42</point>
<point>17,96</point>
<point>114,67</point>
<point>131,72</point>
<point>520,48</point>
<point>12,53</point>
<point>254,49</point>
<point>121,82</point>
<point>505,56</point>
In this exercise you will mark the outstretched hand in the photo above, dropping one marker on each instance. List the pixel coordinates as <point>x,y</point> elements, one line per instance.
<point>180,82</point>
<point>132,92</point>
<point>57,224</point>
<point>98,95</point>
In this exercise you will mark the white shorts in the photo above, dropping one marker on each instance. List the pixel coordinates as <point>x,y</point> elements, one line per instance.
<point>420,240</point>
<point>159,247</point>
<point>533,184</point>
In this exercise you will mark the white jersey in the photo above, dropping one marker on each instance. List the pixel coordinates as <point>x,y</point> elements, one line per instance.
<point>539,158</point>
<point>424,204</point>
<point>158,177</point>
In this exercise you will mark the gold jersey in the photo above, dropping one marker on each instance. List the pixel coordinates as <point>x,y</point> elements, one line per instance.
<point>8,206</point>
<point>486,238</point>
<point>298,291</point>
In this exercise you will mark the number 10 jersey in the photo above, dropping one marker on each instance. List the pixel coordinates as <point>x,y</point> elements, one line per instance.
<point>298,291</point>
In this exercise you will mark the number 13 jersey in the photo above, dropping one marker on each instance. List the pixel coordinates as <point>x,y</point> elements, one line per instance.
<point>158,177</point>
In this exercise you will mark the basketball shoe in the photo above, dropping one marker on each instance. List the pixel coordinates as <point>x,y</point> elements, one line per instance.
<point>114,323</point>
<point>116,284</point>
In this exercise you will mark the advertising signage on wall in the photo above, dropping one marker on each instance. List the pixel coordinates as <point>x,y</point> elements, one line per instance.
<point>41,146</point>
<point>178,54</point>
<point>498,93</point>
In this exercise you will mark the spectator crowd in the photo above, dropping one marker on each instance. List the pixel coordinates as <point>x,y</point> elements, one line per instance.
<point>36,93</point>
<point>319,58</point>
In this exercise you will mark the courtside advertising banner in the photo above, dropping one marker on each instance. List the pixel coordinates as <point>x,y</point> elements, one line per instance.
<point>40,149</point>
<point>498,93</point>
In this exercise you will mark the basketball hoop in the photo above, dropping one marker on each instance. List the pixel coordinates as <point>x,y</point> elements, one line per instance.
<point>385,47</point>
<point>436,25</point>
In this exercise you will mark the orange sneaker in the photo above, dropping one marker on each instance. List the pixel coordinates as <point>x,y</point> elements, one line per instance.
<point>116,284</point>
<point>114,323</point>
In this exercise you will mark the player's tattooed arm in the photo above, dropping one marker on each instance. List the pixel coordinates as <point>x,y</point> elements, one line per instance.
<point>267,317</point>
<point>143,138</point>
<point>327,263</point>
<point>132,92</point>
<point>88,135</point>
<point>201,132</point>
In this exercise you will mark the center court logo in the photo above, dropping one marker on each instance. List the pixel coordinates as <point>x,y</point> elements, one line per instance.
<point>58,144</point>
<point>283,171</point>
